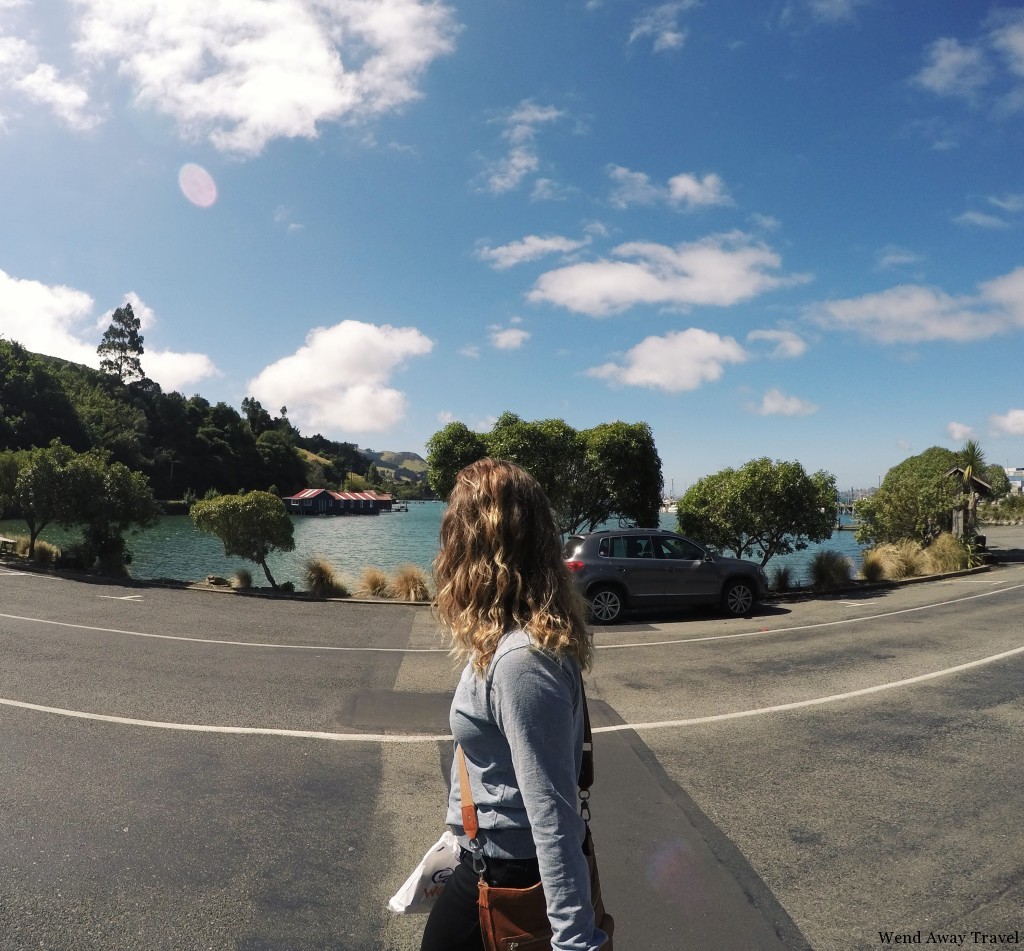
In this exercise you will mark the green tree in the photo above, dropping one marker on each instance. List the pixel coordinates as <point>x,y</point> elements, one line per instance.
<point>590,476</point>
<point>448,451</point>
<point>34,407</point>
<point>765,508</point>
<point>995,475</point>
<point>41,491</point>
<point>120,350</point>
<point>282,464</point>
<point>915,500</point>
<point>355,483</point>
<point>107,500</point>
<point>251,526</point>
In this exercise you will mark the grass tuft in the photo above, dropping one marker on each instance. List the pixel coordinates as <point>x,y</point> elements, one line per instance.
<point>872,566</point>
<point>902,559</point>
<point>374,584</point>
<point>410,584</point>
<point>241,580</point>
<point>830,570</point>
<point>782,579</point>
<point>945,554</point>
<point>322,579</point>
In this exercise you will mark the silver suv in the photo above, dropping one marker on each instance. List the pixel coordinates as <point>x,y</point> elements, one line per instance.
<point>649,568</point>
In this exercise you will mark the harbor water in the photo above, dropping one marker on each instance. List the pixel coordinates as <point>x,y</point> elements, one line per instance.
<point>174,549</point>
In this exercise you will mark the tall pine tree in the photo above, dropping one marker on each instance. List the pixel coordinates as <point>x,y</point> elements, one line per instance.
<point>121,348</point>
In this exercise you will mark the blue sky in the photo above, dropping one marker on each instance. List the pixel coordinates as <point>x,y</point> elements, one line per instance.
<point>792,228</point>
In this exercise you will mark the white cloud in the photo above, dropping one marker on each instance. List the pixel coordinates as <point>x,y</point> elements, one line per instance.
<point>470,350</point>
<point>509,338</point>
<point>244,72</point>
<point>776,403</point>
<point>684,190</point>
<point>47,319</point>
<point>893,256</point>
<point>175,371</point>
<point>788,345</point>
<point>994,63</point>
<point>660,24</point>
<point>521,160</point>
<point>979,219</point>
<point>57,321</point>
<point>40,83</point>
<point>529,248</point>
<point>338,381</point>
<point>681,360</point>
<point>720,270</point>
<point>1013,204</point>
<point>914,314</point>
<point>958,432</point>
<point>1010,423</point>
<point>694,192</point>
<point>954,69</point>
<point>445,416</point>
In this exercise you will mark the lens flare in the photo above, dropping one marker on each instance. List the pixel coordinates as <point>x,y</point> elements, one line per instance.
<point>197,185</point>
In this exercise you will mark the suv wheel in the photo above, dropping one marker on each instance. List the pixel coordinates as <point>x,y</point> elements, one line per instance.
<point>738,600</point>
<point>606,605</point>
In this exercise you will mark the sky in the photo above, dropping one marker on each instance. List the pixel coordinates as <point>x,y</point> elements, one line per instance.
<point>784,228</point>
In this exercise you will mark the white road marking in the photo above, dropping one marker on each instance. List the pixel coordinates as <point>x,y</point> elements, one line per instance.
<point>126,597</point>
<point>444,650</point>
<point>442,737</point>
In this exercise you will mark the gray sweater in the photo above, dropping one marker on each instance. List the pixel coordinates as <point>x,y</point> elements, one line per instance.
<point>521,730</point>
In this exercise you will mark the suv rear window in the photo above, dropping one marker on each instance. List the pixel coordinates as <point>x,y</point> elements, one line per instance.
<point>628,546</point>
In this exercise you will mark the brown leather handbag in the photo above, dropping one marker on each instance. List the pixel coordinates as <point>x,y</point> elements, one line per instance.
<point>516,919</point>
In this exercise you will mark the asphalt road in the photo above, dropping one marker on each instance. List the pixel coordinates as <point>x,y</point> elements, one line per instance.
<point>189,770</point>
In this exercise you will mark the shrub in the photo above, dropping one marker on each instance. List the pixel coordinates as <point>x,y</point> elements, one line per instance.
<point>241,580</point>
<point>902,559</point>
<point>782,578</point>
<point>374,583</point>
<point>946,553</point>
<point>830,570</point>
<point>46,555</point>
<point>322,580</point>
<point>287,587</point>
<point>410,584</point>
<point>872,567</point>
<point>112,564</point>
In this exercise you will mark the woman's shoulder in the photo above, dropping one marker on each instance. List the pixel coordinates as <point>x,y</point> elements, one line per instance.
<point>517,654</point>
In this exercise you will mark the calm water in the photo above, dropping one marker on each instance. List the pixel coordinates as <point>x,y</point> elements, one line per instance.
<point>174,549</point>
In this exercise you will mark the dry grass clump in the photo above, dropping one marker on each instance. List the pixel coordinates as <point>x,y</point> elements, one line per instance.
<point>322,579</point>
<point>410,584</point>
<point>374,583</point>
<point>782,579</point>
<point>872,566</point>
<point>241,580</point>
<point>946,553</point>
<point>902,559</point>
<point>46,555</point>
<point>830,570</point>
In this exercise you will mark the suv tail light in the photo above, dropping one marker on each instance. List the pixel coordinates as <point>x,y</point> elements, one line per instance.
<point>574,566</point>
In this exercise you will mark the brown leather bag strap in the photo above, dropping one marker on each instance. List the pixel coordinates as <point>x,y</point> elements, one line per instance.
<point>469,822</point>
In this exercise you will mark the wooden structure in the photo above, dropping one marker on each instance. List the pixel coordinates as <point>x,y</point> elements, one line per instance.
<point>329,502</point>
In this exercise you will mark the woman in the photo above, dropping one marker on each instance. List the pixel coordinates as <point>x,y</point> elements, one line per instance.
<point>505,597</point>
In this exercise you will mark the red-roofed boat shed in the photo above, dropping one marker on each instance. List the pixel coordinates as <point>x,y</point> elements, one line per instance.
<point>329,502</point>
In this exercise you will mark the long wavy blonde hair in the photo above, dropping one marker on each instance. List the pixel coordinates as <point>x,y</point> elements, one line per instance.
<point>500,567</point>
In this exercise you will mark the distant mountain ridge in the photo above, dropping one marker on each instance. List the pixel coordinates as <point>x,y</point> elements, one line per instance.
<point>403,466</point>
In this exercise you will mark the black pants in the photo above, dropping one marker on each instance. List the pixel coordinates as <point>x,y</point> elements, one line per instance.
<point>454,922</point>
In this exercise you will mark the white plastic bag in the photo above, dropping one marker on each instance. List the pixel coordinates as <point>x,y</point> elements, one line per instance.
<point>421,889</point>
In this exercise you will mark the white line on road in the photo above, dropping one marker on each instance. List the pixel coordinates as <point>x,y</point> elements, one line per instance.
<point>440,737</point>
<point>125,597</point>
<point>443,650</point>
